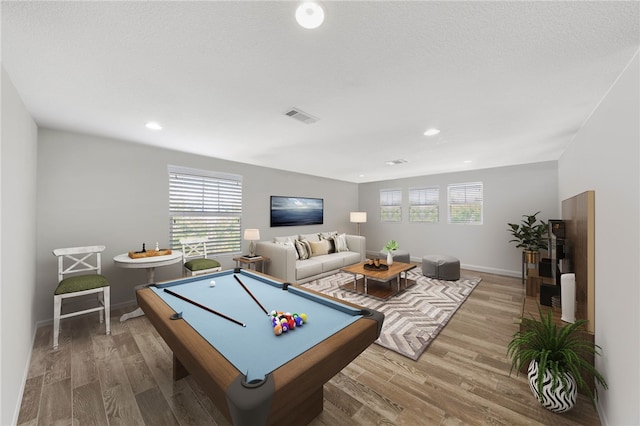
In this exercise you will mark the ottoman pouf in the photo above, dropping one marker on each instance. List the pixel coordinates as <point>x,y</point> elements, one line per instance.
<point>398,255</point>
<point>441,267</point>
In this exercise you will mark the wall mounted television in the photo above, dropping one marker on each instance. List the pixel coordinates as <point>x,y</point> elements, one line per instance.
<point>296,211</point>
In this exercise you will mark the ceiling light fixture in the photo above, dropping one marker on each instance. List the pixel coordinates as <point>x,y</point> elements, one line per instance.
<point>153,125</point>
<point>431,132</point>
<point>309,15</point>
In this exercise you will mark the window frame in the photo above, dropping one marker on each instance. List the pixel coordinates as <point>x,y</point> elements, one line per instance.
<point>430,203</point>
<point>470,199</point>
<point>205,203</point>
<point>390,210</point>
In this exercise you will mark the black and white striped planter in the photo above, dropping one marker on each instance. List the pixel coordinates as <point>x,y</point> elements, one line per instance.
<point>556,399</point>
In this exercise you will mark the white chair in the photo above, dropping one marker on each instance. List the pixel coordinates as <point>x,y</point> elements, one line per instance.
<point>194,256</point>
<point>83,267</point>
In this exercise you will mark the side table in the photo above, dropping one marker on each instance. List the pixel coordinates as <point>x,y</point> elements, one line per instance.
<point>148,263</point>
<point>251,261</point>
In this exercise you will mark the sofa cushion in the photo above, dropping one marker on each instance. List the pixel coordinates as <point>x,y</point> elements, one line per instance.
<point>331,262</point>
<point>309,237</point>
<point>348,257</point>
<point>307,268</point>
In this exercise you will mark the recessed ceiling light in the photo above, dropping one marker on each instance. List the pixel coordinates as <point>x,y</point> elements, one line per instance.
<point>310,15</point>
<point>153,125</point>
<point>431,132</point>
<point>467,161</point>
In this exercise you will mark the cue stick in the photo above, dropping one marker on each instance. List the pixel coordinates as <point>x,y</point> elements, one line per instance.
<point>250,294</point>
<point>203,307</point>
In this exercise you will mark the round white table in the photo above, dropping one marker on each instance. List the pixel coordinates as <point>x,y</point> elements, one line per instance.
<point>150,264</point>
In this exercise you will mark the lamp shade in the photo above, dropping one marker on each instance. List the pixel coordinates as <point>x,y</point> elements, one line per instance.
<point>252,234</point>
<point>358,217</point>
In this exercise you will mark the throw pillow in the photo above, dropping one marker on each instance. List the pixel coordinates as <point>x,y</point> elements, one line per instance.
<point>328,237</point>
<point>284,239</point>
<point>341,243</point>
<point>288,242</point>
<point>304,249</point>
<point>319,247</point>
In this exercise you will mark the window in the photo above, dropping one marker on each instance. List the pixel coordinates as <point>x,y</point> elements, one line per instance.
<point>390,205</point>
<point>204,203</point>
<point>465,203</point>
<point>424,205</point>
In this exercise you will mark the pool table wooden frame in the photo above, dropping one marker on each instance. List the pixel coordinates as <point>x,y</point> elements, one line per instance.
<point>296,394</point>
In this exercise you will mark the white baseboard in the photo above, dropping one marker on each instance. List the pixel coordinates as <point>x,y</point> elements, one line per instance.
<point>490,270</point>
<point>113,307</point>
<point>479,268</point>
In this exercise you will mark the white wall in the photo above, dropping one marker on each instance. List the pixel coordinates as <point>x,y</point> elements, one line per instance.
<point>18,162</point>
<point>95,190</point>
<point>509,193</point>
<point>605,157</point>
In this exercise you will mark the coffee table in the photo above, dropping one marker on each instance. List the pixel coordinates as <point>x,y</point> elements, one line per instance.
<point>395,270</point>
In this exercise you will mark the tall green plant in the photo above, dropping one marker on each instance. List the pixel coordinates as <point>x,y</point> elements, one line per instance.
<point>557,349</point>
<point>529,234</point>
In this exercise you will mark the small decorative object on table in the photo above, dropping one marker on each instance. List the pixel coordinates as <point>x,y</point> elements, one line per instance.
<point>380,267</point>
<point>391,246</point>
<point>149,253</point>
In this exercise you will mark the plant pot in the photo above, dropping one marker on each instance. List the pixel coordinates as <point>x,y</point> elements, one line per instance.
<point>389,258</point>
<point>558,399</point>
<point>532,257</point>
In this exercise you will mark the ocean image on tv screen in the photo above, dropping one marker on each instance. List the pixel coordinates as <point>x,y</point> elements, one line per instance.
<point>295,211</point>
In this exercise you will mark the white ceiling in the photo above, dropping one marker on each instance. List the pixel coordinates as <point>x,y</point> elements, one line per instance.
<point>506,82</point>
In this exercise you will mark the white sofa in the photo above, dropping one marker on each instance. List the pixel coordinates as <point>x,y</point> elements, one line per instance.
<point>284,261</point>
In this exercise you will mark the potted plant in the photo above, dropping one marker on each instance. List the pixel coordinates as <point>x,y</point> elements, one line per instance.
<point>530,236</point>
<point>389,247</point>
<point>556,361</point>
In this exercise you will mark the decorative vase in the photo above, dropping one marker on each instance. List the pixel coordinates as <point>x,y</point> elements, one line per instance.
<point>558,399</point>
<point>389,258</point>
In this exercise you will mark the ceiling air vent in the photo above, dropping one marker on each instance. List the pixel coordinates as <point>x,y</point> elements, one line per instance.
<point>301,116</point>
<point>395,162</point>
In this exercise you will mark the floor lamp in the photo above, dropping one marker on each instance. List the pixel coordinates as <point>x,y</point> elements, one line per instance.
<point>358,217</point>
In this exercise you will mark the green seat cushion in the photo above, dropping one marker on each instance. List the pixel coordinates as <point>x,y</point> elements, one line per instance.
<point>201,264</point>
<point>81,282</point>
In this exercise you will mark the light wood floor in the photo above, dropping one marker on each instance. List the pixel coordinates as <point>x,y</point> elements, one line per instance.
<point>462,378</point>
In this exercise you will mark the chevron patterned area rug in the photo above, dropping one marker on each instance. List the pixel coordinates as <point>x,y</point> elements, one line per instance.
<point>413,318</point>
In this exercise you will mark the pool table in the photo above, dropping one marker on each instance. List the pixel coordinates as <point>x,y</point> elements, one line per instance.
<point>219,331</point>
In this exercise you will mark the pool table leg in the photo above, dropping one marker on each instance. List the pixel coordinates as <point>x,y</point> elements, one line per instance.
<point>179,372</point>
<point>304,412</point>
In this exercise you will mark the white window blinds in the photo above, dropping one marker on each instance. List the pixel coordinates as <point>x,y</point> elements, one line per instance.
<point>205,203</point>
<point>465,203</point>
<point>390,205</point>
<point>424,204</point>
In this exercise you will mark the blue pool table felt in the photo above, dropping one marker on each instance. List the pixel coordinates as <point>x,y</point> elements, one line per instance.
<point>254,350</point>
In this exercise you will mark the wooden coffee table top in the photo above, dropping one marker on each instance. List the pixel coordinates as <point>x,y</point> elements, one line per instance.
<point>394,270</point>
